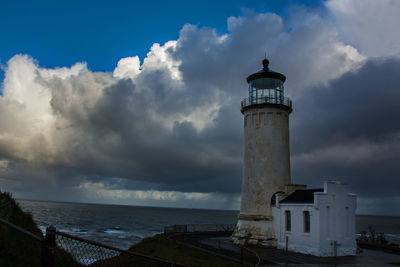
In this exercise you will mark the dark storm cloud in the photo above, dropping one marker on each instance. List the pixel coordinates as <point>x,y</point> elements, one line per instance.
<point>173,123</point>
<point>122,139</point>
<point>350,130</point>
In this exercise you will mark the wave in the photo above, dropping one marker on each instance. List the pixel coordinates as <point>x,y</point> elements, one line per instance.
<point>68,231</point>
<point>114,230</point>
<point>74,231</point>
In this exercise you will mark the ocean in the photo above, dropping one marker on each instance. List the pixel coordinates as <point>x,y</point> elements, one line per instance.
<point>123,226</point>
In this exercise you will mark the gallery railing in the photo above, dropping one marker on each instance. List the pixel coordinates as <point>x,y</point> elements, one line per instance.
<point>266,100</point>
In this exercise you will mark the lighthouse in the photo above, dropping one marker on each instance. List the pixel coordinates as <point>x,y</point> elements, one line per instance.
<point>266,161</point>
<point>273,211</point>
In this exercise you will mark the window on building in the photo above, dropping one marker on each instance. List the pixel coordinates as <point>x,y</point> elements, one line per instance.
<point>288,221</point>
<point>306,221</point>
<point>347,222</point>
<point>328,225</point>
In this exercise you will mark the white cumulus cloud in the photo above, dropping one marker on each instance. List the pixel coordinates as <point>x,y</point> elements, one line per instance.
<point>171,122</point>
<point>371,26</point>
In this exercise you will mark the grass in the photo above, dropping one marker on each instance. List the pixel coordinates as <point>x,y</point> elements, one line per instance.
<point>18,249</point>
<point>161,247</point>
<point>10,211</point>
<point>375,245</point>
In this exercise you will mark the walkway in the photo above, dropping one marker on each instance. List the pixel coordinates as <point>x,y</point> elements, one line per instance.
<point>219,244</point>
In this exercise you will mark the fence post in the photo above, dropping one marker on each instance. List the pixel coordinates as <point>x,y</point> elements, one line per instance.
<point>241,255</point>
<point>287,243</point>
<point>48,247</point>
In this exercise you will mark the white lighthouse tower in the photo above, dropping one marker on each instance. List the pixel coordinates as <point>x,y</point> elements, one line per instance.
<point>266,164</point>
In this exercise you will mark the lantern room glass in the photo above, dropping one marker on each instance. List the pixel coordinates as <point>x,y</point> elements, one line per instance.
<point>266,90</point>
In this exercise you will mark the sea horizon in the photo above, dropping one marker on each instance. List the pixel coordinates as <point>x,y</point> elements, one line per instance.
<point>167,207</point>
<point>128,205</point>
<point>123,225</point>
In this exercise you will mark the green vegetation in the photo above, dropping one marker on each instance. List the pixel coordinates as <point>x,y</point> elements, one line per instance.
<point>161,247</point>
<point>10,211</point>
<point>18,249</point>
<point>371,244</point>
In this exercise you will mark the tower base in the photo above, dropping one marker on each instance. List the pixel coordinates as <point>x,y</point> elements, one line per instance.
<point>254,230</point>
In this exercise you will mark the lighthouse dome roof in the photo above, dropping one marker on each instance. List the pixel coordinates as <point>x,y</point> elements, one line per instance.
<point>266,72</point>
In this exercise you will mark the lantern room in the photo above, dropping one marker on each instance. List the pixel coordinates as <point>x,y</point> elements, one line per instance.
<point>266,88</point>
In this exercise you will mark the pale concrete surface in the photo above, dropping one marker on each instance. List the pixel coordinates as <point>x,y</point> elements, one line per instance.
<point>220,244</point>
<point>371,257</point>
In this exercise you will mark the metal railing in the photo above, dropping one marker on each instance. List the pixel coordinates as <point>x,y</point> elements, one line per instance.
<point>17,228</point>
<point>266,100</point>
<point>88,252</point>
<point>190,228</point>
<point>62,249</point>
<point>19,247</point>
<point>84,251</point>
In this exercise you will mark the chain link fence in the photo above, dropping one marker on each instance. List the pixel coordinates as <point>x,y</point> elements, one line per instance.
<point>204,228</point>
<point>19,247</point>
<point>83,251</point>
<point>87,252</point>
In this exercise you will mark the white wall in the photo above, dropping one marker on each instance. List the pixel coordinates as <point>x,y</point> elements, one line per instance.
<point>297,239</point>
<point>337,209</point>
<point>332,218</point>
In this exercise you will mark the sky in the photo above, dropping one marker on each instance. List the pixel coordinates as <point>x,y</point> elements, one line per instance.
<point>139,103</point>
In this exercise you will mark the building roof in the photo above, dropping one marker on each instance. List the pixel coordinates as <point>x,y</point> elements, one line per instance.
<point>301,196</point>
<point>266,73</point>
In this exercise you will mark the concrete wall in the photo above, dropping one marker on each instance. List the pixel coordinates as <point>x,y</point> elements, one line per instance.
<point>266,170</point>
<point>266,165</point>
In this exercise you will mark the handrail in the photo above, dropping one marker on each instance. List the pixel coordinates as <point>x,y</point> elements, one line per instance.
<point>117,249</point>
<point>255,253</point>
<point>38,238</point>
<point>266,100</point>
<point>94,243</point>
<point>186,228</point>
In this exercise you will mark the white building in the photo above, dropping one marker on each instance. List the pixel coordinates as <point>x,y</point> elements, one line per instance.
<point>320,222</point>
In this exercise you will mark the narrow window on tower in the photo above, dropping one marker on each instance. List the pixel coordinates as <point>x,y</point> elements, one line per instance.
<point>262,117</point>
<point>270,117</point>
<point>253,119</point>
<point>278,118</point>
<point>257,119</point>
<point>288,221</point>
<point>306,221</point>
